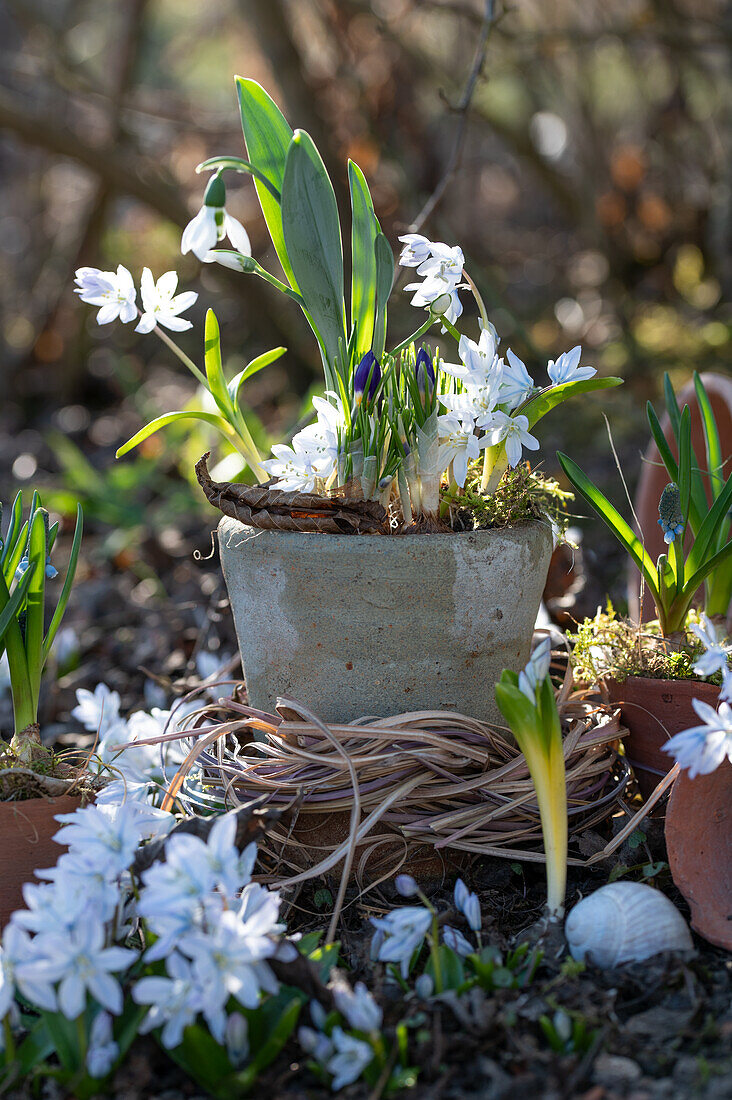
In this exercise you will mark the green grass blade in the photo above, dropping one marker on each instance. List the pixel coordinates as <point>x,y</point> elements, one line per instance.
<point>159,422</point>
<point>364,231</point>
<point>67,585</point>
<point>548,399</point>
<point>267,135</point>
<point>615,522</point>
<point>313,239</point>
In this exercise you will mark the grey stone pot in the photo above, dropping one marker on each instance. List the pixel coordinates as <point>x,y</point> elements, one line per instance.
<point>354,625</point>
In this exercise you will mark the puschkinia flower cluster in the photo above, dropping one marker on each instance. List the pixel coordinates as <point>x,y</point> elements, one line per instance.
<point>701,749</point>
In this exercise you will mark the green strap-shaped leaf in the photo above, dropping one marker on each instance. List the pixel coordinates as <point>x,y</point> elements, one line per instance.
<point>159,422</point>
<point>252,368</point>
<point>313,240</point>
<point>267,135</point>
<point>11,606</point>
<point>698,501</point>
<point>715,519</point>
<point>715,458</point>
<point>696,580</point>
<point>214,366</point>
<point>548,399</point>
<point>364,231</point>
<point>672,405</point>
<point>384,283</point>
<point>67,585</point>
<point>620,529</point>
<point>238,164</point>
<point>35,600</point>
<point>16,518</point>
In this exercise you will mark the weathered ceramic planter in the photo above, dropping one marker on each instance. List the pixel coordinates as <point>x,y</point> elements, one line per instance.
<point>699,843</point>
<point>653,711</point>
<point>354,625</point>
<point>27,829</point>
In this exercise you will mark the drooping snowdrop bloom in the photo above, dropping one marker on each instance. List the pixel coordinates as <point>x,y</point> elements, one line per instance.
<point>103,1052</point>
<point>716,655</point>
<point>86,966</point>
<point>468,904</point>
<point>457,942</point>
<point>702,748</point>
<point>416,249</point>
<point>174,1002</point>
<point>350,1059</point>
<point>459,445</point>
<point>513,430</point>
<point>113,292</point>
<point>98,710</point>
<point>437,294</point>
<point>24,967</point>
<point>212,223</point>
<point>161,305</point>
<point>402,932</point>
<point>358,1006</point>
<point>567,369</point>
<point>537,670</point>
<point>516,382</point>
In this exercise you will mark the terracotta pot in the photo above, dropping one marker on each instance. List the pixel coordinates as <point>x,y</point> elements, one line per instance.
<point>654,478</point>
<point>699,843</point>
<point>26,845</point>
<point>653,711</point>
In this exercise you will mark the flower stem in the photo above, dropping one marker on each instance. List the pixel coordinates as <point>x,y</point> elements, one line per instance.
<point>435,953</point>
<point>185,359</point>
<point>476,294</point>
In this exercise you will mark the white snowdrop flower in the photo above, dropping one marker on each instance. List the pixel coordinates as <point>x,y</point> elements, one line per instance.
<point>567,368</point>
<point>86,966</point>
<point>468,904</point>
<point>103,1052</point>
<point>85,884</point>
<point>457,942</point>
<point>350,1059</point>
<point>98,710</point>
<point>24,967</point>
<point>716,657</point>
<point>703,748</point>
<point>161,305</point>
<point>516,382</point>
<point>416,249</point>
<point>459,445</point>
<point>513,430</point>
<point>174,1001</point>
<point>358,1006</point>
<point>113,292</point>
<point>106,837</point>
<point>212,223</point>
<point>424,987</point>
<point>403,931</point>
<point>296,468</point>
<point>444,262</point>
<point>315,1043</point>
<point>536,671</point>
<point>437,294</point>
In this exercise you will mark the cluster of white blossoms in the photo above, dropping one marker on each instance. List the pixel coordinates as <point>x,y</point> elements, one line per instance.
<point>441,267</point>
<point>703,748</point>
<point>116,295</point>
<point>312,460</point>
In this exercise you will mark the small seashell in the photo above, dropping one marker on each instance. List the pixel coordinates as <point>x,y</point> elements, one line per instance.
<point>625,922</point>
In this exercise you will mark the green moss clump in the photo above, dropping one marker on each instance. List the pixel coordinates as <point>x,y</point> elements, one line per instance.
<point>606,645</point>
<point>522,494</point>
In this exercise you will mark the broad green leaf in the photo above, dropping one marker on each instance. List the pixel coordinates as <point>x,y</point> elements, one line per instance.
<point>684,482</point>
<point>696,580</point>
<point>620,529</point>
<point>214,366</point>
<point>238,164</point>
<point>715,459</point>
<point>715,518</point>
<point>672,405</point>
<point>384,283</point>
<point>67,585</point>
<point>544,402</point>
<point>312,235</point>
<point>365,228</point>
<point>9,607</point>
<point>252,368</point>
<point>267,135</point>
<point>213,419</point>
<point>16,554</point>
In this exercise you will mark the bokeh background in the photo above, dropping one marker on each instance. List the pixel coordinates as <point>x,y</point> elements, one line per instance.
<point>587,179</point>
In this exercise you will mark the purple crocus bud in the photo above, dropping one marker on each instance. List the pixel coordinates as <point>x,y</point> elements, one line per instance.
<point>424,370</point>
<point>369,366</point>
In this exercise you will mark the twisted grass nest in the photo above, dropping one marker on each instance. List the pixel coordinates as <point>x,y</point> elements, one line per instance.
<point>384,791</point>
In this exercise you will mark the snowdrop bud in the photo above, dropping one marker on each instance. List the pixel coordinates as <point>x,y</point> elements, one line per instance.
<point>406,886</point>
<point>425,371</point>
<point>669,511</point>
<point>457,942</point>
<point>318,1014</point>
<point>368,367</point>
<point>441,304</point>
<point>215,193</point>
<point>237,1038</point>
<point>468,904</point>
<point>234,260</point>
<point>424,987</point>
